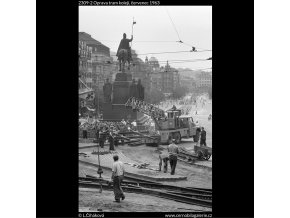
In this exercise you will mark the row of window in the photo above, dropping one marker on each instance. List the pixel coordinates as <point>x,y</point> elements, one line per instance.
<point>85,64</point>
<point>83,46</point>
<point>205,81</point>
<point>85,54</point>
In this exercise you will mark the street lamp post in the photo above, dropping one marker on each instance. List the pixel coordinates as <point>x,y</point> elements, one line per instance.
<point>98,101</point>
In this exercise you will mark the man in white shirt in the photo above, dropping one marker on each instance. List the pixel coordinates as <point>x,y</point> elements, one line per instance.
<point>173,152</point>
<point>134,124</point>
<point>118,172</point>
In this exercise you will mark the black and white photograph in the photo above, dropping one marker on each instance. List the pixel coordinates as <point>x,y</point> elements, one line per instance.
<point>112,109</point>
<point>145,109</point>
<point>122,116</point>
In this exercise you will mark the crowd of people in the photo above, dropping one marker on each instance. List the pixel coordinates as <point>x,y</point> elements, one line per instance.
<point>145,108</point>
<point>185,110</point>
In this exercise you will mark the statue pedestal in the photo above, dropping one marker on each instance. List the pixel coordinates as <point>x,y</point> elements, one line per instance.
<point>116,110</point>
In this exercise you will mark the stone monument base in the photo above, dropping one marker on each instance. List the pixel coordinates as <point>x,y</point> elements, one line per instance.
<point>117,112</point>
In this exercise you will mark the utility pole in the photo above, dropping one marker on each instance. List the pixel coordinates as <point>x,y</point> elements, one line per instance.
<point>100,170</point>
<point>98,100</point>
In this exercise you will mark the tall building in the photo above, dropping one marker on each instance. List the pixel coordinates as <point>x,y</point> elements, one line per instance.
<point>188,82</point>
<point>102,66</point>
<point>166,79</point>
<point>204,79</point>
<point>86,93</point>
<point>85,65</point>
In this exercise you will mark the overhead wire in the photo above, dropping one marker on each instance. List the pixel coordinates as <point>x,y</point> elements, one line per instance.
<point>180,41</point>
<point>117,64</point>
<point>171,52</point>
<point>185,61</point>
<point>173,24</point>
<point>137,41</point>
<point>209,68</point>
<point>165,52</point>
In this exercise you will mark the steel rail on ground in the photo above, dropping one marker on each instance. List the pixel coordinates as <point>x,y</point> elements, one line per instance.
<point>158,193</point>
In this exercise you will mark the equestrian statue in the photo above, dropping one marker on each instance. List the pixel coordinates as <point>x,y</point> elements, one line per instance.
<point>124,53</point>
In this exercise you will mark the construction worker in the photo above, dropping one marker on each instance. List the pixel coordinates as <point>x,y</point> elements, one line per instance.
<point>118,172</point>
<point>202,137</point>
<point>97,133</point>
<point>197,136</point>
<point>101,138</point>
<point>111,141</point>
<point>85,132</point>
<point>134,125</point>
<point>173,152</point>
<point>163,157</point>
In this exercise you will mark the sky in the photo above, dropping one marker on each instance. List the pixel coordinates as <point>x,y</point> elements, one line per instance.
<point>154,31</point>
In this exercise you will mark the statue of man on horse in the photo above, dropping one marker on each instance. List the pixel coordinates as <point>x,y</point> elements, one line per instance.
<point>124,52</point>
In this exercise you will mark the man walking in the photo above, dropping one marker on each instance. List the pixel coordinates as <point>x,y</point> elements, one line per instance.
<point>118,172</point>
<point>163,157</point>
<point>202,137</point>
<point>173,151</point>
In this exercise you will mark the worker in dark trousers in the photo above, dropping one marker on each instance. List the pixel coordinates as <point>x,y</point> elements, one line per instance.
<point>101,138</point>
<point>173,152</point>
<point>85,133</point>
<point>197,136</point>
<point>202,137</point>
<point>97,133</point>
<point>116,141</point>
<point>163,157</point>
<point>111,141</point>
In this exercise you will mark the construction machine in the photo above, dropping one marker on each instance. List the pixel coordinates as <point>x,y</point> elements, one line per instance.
<point>167,123</point>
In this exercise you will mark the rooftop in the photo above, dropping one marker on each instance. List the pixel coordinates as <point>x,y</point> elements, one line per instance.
<point>89,40</point>
<point>153,59</point>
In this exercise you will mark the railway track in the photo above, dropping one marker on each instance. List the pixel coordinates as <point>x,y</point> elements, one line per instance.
<point>203,193</point>
<point>192,196</point>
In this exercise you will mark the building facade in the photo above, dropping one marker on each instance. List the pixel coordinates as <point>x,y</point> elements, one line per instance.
<point>86,93</point>
<point>101,63</point>
<point>85,64</point>
<point>165,79</point>
<point>187,82</point>
<point>204,80</point>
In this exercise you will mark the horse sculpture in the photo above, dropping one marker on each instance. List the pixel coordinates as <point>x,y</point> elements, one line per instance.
<point>123,57</point>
